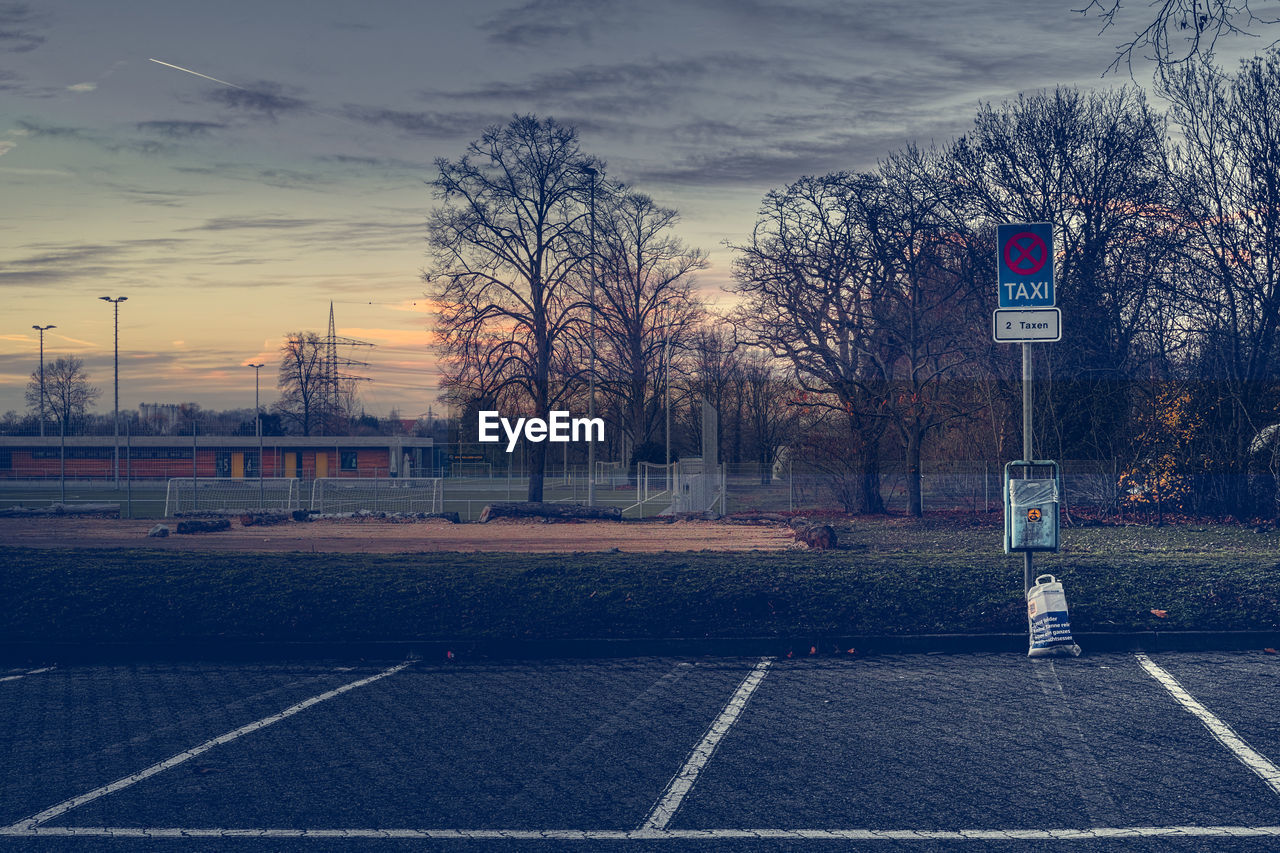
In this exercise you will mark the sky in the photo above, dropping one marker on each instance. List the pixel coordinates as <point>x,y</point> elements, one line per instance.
<point>232,213</point>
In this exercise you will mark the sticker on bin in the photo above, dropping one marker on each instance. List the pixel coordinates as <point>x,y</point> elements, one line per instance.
<point>1049,622</point>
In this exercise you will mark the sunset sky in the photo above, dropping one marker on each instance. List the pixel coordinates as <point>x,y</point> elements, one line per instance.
<point>230,215</point>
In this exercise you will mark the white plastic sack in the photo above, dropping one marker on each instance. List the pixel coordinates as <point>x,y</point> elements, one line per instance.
<point>1048,619</point>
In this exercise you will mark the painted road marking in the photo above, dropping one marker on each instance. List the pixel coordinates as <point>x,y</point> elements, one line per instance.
<point>1246,754</point>
<point>28,672</point>
<point>173,761</point>
<point>682,782</point>
<point>670,834</point>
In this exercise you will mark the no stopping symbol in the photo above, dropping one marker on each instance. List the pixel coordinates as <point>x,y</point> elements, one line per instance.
<point>1025,253</point>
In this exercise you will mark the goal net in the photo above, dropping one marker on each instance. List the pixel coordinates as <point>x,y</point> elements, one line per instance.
<point>471,470</point>
<point>654,480</point>
<point>610,473</point>
<point>215,494</point>
<point>381,494</point>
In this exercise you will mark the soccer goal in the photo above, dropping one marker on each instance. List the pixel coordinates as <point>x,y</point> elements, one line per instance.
<point>610,473</point>
<point>654,480</point>
<point>214,494</point>
<point>381,494</point>
<point>473,470</point>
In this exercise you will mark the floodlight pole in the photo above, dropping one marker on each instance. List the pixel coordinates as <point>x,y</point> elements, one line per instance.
<point>1026,446</point>
<point>115,304</point>
<point>41,330</point>
<point>257,417</point>
<point>666,388</point>
<point>591,403</point>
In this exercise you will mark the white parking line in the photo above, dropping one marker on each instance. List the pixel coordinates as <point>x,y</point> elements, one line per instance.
<point>1092,834</point>
<point>670,801</point>
<point>28,672</point>
<point>1247,755</point>
<point>67,805</point>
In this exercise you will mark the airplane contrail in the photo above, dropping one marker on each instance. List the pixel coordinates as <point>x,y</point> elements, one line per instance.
<point>198,74</point>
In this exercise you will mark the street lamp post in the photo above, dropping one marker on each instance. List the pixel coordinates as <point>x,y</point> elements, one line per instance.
<point>666,388</point>
<point>591,404</point>
<point>115,304</point>
<point>42,330</point>
<point>257,416</point>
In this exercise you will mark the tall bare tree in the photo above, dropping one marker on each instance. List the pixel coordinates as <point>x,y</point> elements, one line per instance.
<point>506,247</point>
<point>803,280</point>
<point>645,306</point>
<point>1225,173</point>
<point>302,383</point>
<point>67,392</point>
<point>924,300</point>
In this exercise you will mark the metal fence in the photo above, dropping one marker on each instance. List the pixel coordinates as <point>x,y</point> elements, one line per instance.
<point>971,486</point>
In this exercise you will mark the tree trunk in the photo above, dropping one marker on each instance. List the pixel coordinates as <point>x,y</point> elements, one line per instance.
<point>537,469</point>
<point>871,499</point>
<point>915,506</point>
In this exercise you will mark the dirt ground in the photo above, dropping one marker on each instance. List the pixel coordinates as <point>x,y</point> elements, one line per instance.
<point>374,536</point>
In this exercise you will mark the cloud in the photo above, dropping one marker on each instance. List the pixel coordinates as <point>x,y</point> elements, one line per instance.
<point>539,21</point>
<point>82,87</point>
<point>6,146</point>
<point>99,140</point>
<point>435,125</point>
<point>229,223</point>
<point>17,23</point>
<point>292,179</point>
<point>173,129</point>
<point>264,99</point>
<point>152,197</point>
<point>617,89</point>
<point>62,263</point>
<point>770,165</point>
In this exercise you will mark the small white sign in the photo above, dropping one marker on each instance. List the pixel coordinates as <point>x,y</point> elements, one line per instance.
<point>1026,325</point>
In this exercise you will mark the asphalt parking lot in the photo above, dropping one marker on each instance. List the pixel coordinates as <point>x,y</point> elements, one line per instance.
<point>915,752</point>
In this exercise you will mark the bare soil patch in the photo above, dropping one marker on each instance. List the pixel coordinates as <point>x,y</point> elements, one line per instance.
<point>379,536</point>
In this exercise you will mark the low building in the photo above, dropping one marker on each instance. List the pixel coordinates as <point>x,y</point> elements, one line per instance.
<point>204,456</point>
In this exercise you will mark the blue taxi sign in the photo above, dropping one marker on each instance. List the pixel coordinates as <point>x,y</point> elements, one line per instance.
<point>1025,260</point>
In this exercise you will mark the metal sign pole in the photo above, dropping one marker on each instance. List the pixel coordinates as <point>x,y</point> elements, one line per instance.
<point>1026,447</point>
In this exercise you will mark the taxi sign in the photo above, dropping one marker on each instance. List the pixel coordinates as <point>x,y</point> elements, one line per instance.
<point>1025,261</point>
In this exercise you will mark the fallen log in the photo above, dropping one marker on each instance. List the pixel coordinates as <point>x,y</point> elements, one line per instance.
<point>197,526</point>
<point>263,519</point>
<point>557,512</point>
<point>62,509</point>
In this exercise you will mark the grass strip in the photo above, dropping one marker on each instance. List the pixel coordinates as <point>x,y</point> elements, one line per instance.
<point>84,595</point>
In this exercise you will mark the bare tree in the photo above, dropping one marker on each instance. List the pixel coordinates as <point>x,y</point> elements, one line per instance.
<point>768,398</point>
<point>1178,32</point>
<point>301,381</point>
<point>923,300</point>
<point>1225,173</point>
<point>67,392</point>
<point>506,247</point>
<point>644,306</point>
<point>803,277</point>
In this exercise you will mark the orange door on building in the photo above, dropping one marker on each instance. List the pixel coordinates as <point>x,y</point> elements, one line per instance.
<point>322,464</point>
